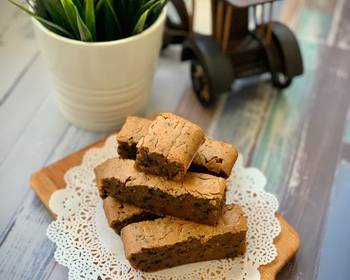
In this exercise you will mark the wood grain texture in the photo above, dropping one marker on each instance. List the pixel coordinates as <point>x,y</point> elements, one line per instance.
<point>276,132</point>
<point>342,29</point>
<point>335,248</point>
<point>18,48</point>
<point>322,143</point>
<point>49,179</point>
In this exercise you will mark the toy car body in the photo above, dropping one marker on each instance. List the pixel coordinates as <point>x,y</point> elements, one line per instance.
<point>235,51</point>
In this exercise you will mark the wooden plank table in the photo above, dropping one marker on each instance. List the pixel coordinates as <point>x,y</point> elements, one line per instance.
<point>299,138</point>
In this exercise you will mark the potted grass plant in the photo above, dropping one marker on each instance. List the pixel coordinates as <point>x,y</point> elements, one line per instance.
<point>101,55</point>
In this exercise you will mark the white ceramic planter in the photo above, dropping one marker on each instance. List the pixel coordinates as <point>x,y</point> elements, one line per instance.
<point>98,85</point>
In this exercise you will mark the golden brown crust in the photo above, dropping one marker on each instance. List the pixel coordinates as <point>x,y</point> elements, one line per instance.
<point>169,146</point>
<point>163,236</point>
<point>120,214</point>
<point>215,157</point>
<point>116,210</point>
<point>197,184</point>
<point>130,134</point>
<point>133,129</point>
<point>197,197</point>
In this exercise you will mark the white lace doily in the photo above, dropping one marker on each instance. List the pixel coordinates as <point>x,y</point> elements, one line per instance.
<point>89,248</point>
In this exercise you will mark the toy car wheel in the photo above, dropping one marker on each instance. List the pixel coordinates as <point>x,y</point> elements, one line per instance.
<point>201,84</point>
<point>281,81</point>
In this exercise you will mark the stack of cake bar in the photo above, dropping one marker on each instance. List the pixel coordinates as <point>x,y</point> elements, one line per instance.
<point>165,194</point>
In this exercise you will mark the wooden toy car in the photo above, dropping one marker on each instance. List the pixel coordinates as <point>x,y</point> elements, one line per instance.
<point>234,50</point>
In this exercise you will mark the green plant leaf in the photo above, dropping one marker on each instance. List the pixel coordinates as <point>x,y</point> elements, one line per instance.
<point>110,8</point>
<point>134,11</point>
<point>56,28</point>
<point>109,27</point>
<point>70,11</point>
<point>90,17</point>
<point>145,6</point>
<point>154,14</point>
<point>123,6</point>
<point>99,6</point>
<point>84,32</point>
<point>79,5</point>
<point>95,20</point>
<point>56,12</point>
<point>141,23</point>
<point>38,8</point>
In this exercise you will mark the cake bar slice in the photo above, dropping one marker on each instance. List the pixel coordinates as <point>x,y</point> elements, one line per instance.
<point>120,214</point>
<point>130,134</point>
<point>198,197</point>
<point>169,242</point>
<point>169,146</point>
<point>213,157</point>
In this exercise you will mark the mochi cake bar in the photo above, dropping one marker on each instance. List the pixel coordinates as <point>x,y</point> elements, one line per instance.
<point>169,241</point>
<point>198,197</point>
<point>120,214</point>
<point>169,146</point>
<point>213,157</point>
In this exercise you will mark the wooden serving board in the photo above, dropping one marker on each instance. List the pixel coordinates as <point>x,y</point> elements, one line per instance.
<point>49,179</point>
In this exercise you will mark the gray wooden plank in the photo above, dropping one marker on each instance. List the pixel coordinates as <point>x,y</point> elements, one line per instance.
<point>277,144</point>
<point>315,21</point>
<point>170,82</point>
<point>197,114</point>
<point>73,140</point>
<point>28,154</point>
<point>58,272</point>
<point>22,105</point>
<point>342,39</point>
<point>245,108</point>
<point>25,100</point>
<point>26,252</point>
<point>335,252</point>
<point>305,204</point>
<point>17,48</point>
<point>35,259</point>
<point>48,137</point>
